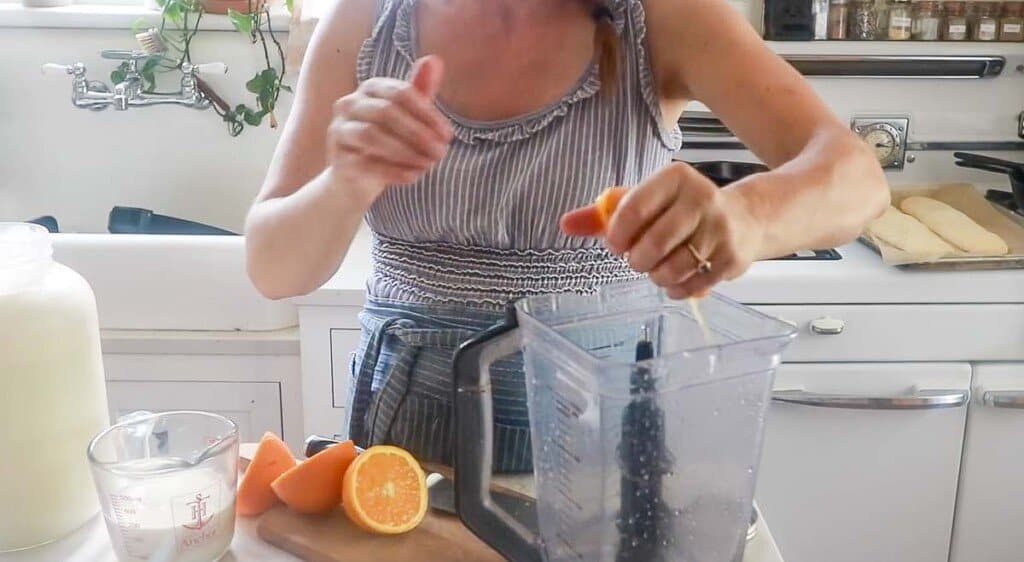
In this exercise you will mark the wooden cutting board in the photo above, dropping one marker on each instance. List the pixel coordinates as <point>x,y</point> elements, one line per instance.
<point>333,538</point>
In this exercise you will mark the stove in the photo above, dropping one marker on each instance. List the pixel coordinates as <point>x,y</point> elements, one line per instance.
<point>812,255</point>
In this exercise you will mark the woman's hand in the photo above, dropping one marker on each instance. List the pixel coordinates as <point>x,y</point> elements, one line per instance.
<point>388,131</point>
<point>658,220</point>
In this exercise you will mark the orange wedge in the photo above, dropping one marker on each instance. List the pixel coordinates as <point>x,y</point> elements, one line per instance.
<point>272,459</point>
<point>314,486</point>
<point>607,202</point>
<point>385,491</point>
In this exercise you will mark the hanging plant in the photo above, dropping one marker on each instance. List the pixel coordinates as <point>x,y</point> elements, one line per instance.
<point>268,83</point>
<point>179,24</point>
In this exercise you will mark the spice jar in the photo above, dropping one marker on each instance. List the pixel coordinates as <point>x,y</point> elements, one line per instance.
<point>985,22</point>
<point>863,21</point>
<point>955,28</point>
<point>927,20</point>
<point>1011,26</point>
<point>900,20</point>
<point>838,19</point>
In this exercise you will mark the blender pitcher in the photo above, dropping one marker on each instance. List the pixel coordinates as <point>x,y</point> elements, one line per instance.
<point>646,429</point>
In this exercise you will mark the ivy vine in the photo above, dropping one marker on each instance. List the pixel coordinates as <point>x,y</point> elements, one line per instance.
<point>179,24</point>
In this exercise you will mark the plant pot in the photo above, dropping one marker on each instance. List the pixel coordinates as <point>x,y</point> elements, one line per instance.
<point>222,6</point>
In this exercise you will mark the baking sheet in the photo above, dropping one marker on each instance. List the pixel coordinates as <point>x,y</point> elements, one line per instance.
<point>968,200</point>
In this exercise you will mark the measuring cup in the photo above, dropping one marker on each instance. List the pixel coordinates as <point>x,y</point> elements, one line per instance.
<point>167,485</point>
<point>646,432</point>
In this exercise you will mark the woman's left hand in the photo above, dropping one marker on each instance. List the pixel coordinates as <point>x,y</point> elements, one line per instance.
<point>669,223</point>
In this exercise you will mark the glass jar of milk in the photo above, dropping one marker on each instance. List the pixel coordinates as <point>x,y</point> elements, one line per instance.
<point>53,397</point>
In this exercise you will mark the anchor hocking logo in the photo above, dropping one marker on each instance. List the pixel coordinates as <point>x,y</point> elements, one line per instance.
<point>198,508</point>
<point>195,516</point>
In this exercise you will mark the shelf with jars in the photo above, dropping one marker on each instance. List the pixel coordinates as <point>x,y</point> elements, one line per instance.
<point>976,21</point>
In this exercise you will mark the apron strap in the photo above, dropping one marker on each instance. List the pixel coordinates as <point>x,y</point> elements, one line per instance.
<point>364,379</point>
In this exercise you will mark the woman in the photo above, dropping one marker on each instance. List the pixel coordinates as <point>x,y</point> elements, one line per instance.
<point>466,132</point>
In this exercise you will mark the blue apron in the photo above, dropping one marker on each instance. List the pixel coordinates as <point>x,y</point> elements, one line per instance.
<point>402,383</point>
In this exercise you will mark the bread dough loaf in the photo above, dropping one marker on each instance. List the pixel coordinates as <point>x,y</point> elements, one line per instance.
<point>955,227</point>
<point>905,233</point>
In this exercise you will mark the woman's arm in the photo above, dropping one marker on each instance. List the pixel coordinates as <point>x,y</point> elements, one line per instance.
<point>825,184</point>
<point>824,187</point>
<point>342,145</point>
<point>301,224</point>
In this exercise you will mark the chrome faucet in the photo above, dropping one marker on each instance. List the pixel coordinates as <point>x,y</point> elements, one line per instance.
<point>97,96</point>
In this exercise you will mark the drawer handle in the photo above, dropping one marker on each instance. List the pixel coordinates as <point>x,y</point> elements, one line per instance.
<point>921,400</point>
<point>827,326</point>
<point>1004,399</point>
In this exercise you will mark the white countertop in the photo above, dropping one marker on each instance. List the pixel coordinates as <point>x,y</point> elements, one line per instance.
<point>859,278</point>
<point>92,544</point>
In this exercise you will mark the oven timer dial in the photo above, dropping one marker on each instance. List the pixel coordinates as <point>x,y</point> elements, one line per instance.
<point>887,138</point>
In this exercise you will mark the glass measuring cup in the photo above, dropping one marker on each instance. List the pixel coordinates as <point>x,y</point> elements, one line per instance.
<point>646,433</point>
<point>167,485</point>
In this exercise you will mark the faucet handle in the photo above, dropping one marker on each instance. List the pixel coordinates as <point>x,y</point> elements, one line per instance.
<point>52,69</point>
<point>210,68</point>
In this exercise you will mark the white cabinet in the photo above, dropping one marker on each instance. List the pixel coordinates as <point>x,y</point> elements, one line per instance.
<point>254,406</point>
<point>260,392</point>
<point>861,462</point>
<point>989,509</point>
<point>329,336</point>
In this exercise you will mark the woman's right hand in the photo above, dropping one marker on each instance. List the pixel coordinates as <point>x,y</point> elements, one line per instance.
<point>388,131</point>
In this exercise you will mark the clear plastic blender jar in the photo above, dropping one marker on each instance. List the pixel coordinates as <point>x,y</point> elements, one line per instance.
<point>167,485</point>
<point>646,435</point>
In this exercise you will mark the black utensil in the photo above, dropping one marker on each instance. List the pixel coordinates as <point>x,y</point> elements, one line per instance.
<point>135,220</point>
<point>1005,165</point>
<point>1013,170</point>
<point>47,222</point>
<point>723,172</point>
<point>644,523</point>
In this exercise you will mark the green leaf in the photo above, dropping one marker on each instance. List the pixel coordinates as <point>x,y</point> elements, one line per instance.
<point>291,5</point>
<point>242,22</point>
<point>174,12</point>
<point>140,25</point>
<point>117,76</point>
<point>269,76</point>
<point>266,99</point>
<point>256,84</point>
<point>254,118</point>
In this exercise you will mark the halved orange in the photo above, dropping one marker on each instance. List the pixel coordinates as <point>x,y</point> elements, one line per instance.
<point>608,201</point>
<point>385,491</point>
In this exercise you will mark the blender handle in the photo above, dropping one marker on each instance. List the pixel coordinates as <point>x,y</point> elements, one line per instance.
<point>474,443</point>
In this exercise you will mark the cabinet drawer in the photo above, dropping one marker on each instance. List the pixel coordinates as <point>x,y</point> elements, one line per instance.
<point>952,332</point>
<point>255,406</point>
<point>862,463</point>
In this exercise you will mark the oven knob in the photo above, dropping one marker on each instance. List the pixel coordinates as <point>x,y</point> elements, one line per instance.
<point>827,326</point>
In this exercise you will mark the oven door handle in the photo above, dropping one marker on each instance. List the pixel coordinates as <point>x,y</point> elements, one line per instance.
<point>918,400</point>
<point>1011,399</point>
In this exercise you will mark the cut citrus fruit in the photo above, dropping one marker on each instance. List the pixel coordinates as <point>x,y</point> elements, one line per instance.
<point>607,202</point>
<point>385,491</point>
<point>314,486</point>
<point>272,459</point>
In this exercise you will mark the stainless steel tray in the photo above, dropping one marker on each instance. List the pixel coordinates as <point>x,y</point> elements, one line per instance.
<point>966,263</point>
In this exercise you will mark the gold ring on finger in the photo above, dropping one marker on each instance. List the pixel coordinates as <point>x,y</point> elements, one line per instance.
<point>703,265</point>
